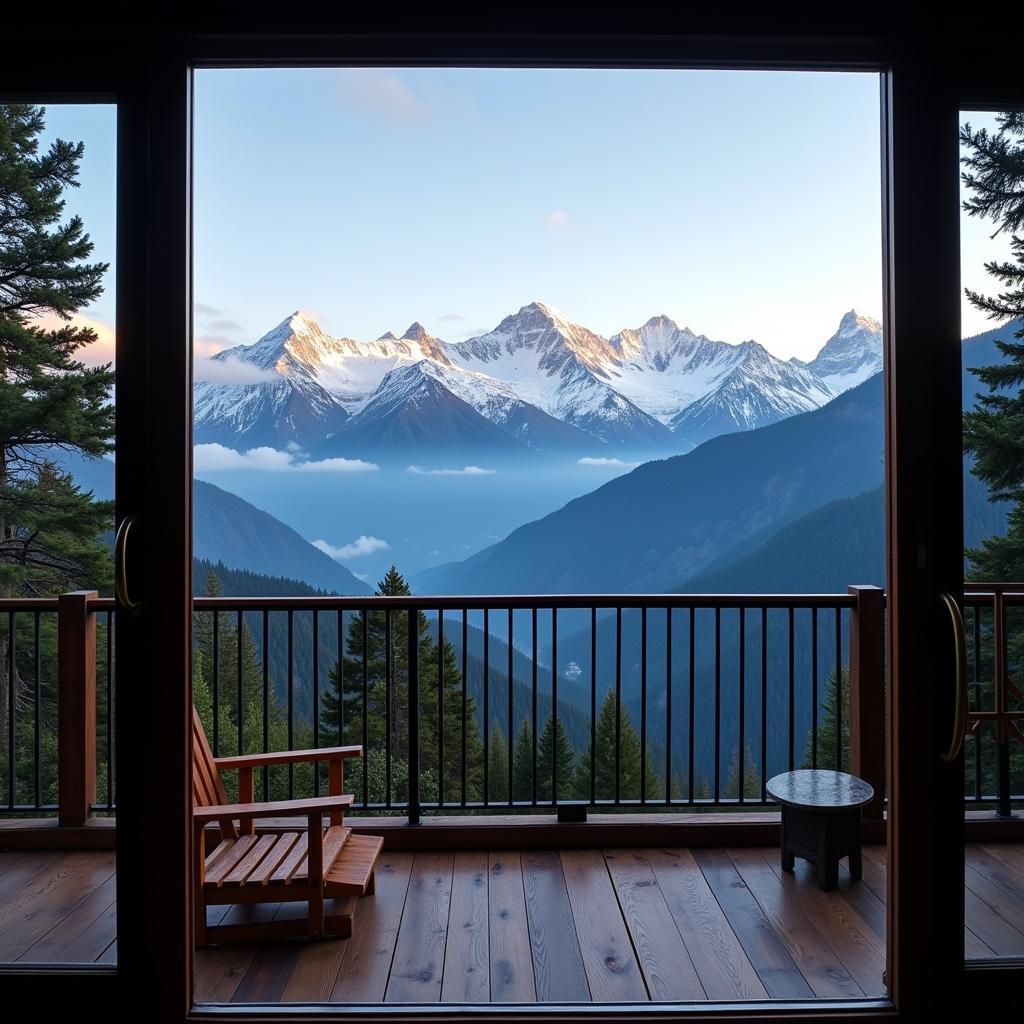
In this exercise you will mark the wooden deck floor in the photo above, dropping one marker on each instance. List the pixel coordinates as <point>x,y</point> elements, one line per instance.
<point>579,925</point>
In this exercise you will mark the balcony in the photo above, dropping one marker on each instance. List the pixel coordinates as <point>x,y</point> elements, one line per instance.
<point>510,875</point>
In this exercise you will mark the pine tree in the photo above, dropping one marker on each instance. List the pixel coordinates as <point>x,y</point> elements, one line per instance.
<point>50,530</point>
<point>828,727</point>
<point>553,747</point>
<point>994,430</point>
<point>497,765</point>
<point>522,763</point>
<point>387,718</point>
<point>629,757</point>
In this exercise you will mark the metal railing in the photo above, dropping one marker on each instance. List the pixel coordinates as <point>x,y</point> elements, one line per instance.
<point>484,705</point>
<point>994,745</point>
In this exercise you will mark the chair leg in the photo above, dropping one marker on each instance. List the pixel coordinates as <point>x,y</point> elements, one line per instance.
<point>371,885</point>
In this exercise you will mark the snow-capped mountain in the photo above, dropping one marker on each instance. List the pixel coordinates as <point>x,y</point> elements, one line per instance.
<point>537,381</point>
<point>851,355</point>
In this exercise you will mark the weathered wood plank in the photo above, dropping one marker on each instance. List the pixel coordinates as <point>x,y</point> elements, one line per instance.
<point>83,935</point>
<point>828,978</point>
<point>29,913</point>
<point>268,974</point>
<point>363,974</point>
<point>612,969</point>
<point>851,939</point>
<point>659,947</point>
<point>418,967</point>
<point>466,957</point>
<point>991,927</point>
<point>509,931</point>
<point>765,950</point>
<point>721,964</point>
<point>219,971</point>
<point>557,961</point>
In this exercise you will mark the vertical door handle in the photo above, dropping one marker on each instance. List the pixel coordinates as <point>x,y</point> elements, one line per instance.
<point>120,560</point>
<point>960,644</point>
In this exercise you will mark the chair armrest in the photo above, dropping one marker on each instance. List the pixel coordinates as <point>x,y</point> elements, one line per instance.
<point>271,808</point>
<point>287,757</point>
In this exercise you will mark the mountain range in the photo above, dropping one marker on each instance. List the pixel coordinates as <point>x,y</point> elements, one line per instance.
<point>538,384</point>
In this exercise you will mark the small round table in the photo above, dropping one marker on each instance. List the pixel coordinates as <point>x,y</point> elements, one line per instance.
<point>821,819</point>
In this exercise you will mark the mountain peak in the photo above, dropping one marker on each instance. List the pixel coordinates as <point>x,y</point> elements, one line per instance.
<point>387,336</point>
<point>416,332</point>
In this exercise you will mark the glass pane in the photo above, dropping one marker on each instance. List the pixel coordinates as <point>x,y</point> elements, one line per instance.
<point>57,243</point>
<point>992,148</point>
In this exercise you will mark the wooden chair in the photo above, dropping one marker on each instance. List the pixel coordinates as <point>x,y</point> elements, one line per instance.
<point>323,868</point>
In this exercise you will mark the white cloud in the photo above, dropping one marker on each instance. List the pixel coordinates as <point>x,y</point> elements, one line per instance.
<point>559,218</point>
<point>232,370</point>
<point>465,471</point>
<point>607,463</point>
<point>383,93</point>
<point>208,458</point>
<point>451,316</point>
<point>362,545</point>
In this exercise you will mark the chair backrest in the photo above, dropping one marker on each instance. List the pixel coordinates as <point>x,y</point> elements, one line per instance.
<point>207,786</point>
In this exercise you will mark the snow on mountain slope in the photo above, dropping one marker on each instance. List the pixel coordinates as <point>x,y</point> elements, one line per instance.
<point>538,377</point>
<point>555,365</point>
<point>851,355</point>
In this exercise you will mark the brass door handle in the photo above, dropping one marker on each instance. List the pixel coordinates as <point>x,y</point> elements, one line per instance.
<point>960,643</point>
<point>120,559</point>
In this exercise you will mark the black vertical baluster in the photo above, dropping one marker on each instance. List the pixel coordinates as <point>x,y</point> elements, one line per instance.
<point>238,680</point>
<point>814,687</point>
<point>11,707</point>
<point>668,705</point>
<point>618,705</point>
<point>465,683</point>
<point>36,743</point>
<point>511,698</point>
<point>718,703</point>
<point>792,696</point>
<point>742,760</point>
<point>487,706</point>
<point>110,705</point>
<point>839,690</point>
<point>366,710</point>
<point>440,707</point>
<point>977,701</point>
<point>216,682</point>
<point>554,705</point>
<point>341,677</point>
<point>643,705</point>
<point>593,704</point>
<point>764,704</point>
<point>291,705</point>
<point>693,702</point>
<point>533,706</point>
<point>266,699</point>
<point>414,717</point>
<point>316,697</point>
<point>388,685</point>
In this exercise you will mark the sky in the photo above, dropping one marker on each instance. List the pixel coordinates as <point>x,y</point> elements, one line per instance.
<point>742,204</point>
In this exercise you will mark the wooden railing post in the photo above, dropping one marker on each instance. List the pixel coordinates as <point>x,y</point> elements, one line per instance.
<point>867,692</point>
<point>76,708</point>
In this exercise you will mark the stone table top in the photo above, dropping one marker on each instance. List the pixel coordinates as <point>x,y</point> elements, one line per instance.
<point>817,789</point>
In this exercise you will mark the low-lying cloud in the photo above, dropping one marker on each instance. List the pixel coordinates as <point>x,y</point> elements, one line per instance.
<point>232,370</point>
<point>207,458</point>
<point>465,471</point>
<point>362,545</point>
<point>607,463</point>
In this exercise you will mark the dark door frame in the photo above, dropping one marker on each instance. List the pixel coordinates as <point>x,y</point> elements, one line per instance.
<point>150,78</point>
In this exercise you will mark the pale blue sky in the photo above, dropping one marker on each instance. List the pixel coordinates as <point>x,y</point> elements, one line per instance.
<point>744,204</point>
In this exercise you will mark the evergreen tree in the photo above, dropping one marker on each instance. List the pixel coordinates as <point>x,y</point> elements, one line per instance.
<point>751,776</point>
<point>50,530</point>
<point>553,747</point>
<point>497,765</point>
<point>994,430</point>
<point>828,727</point>
<point>522,763</point>
<point>629,758</point>
<point>387,718</point>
